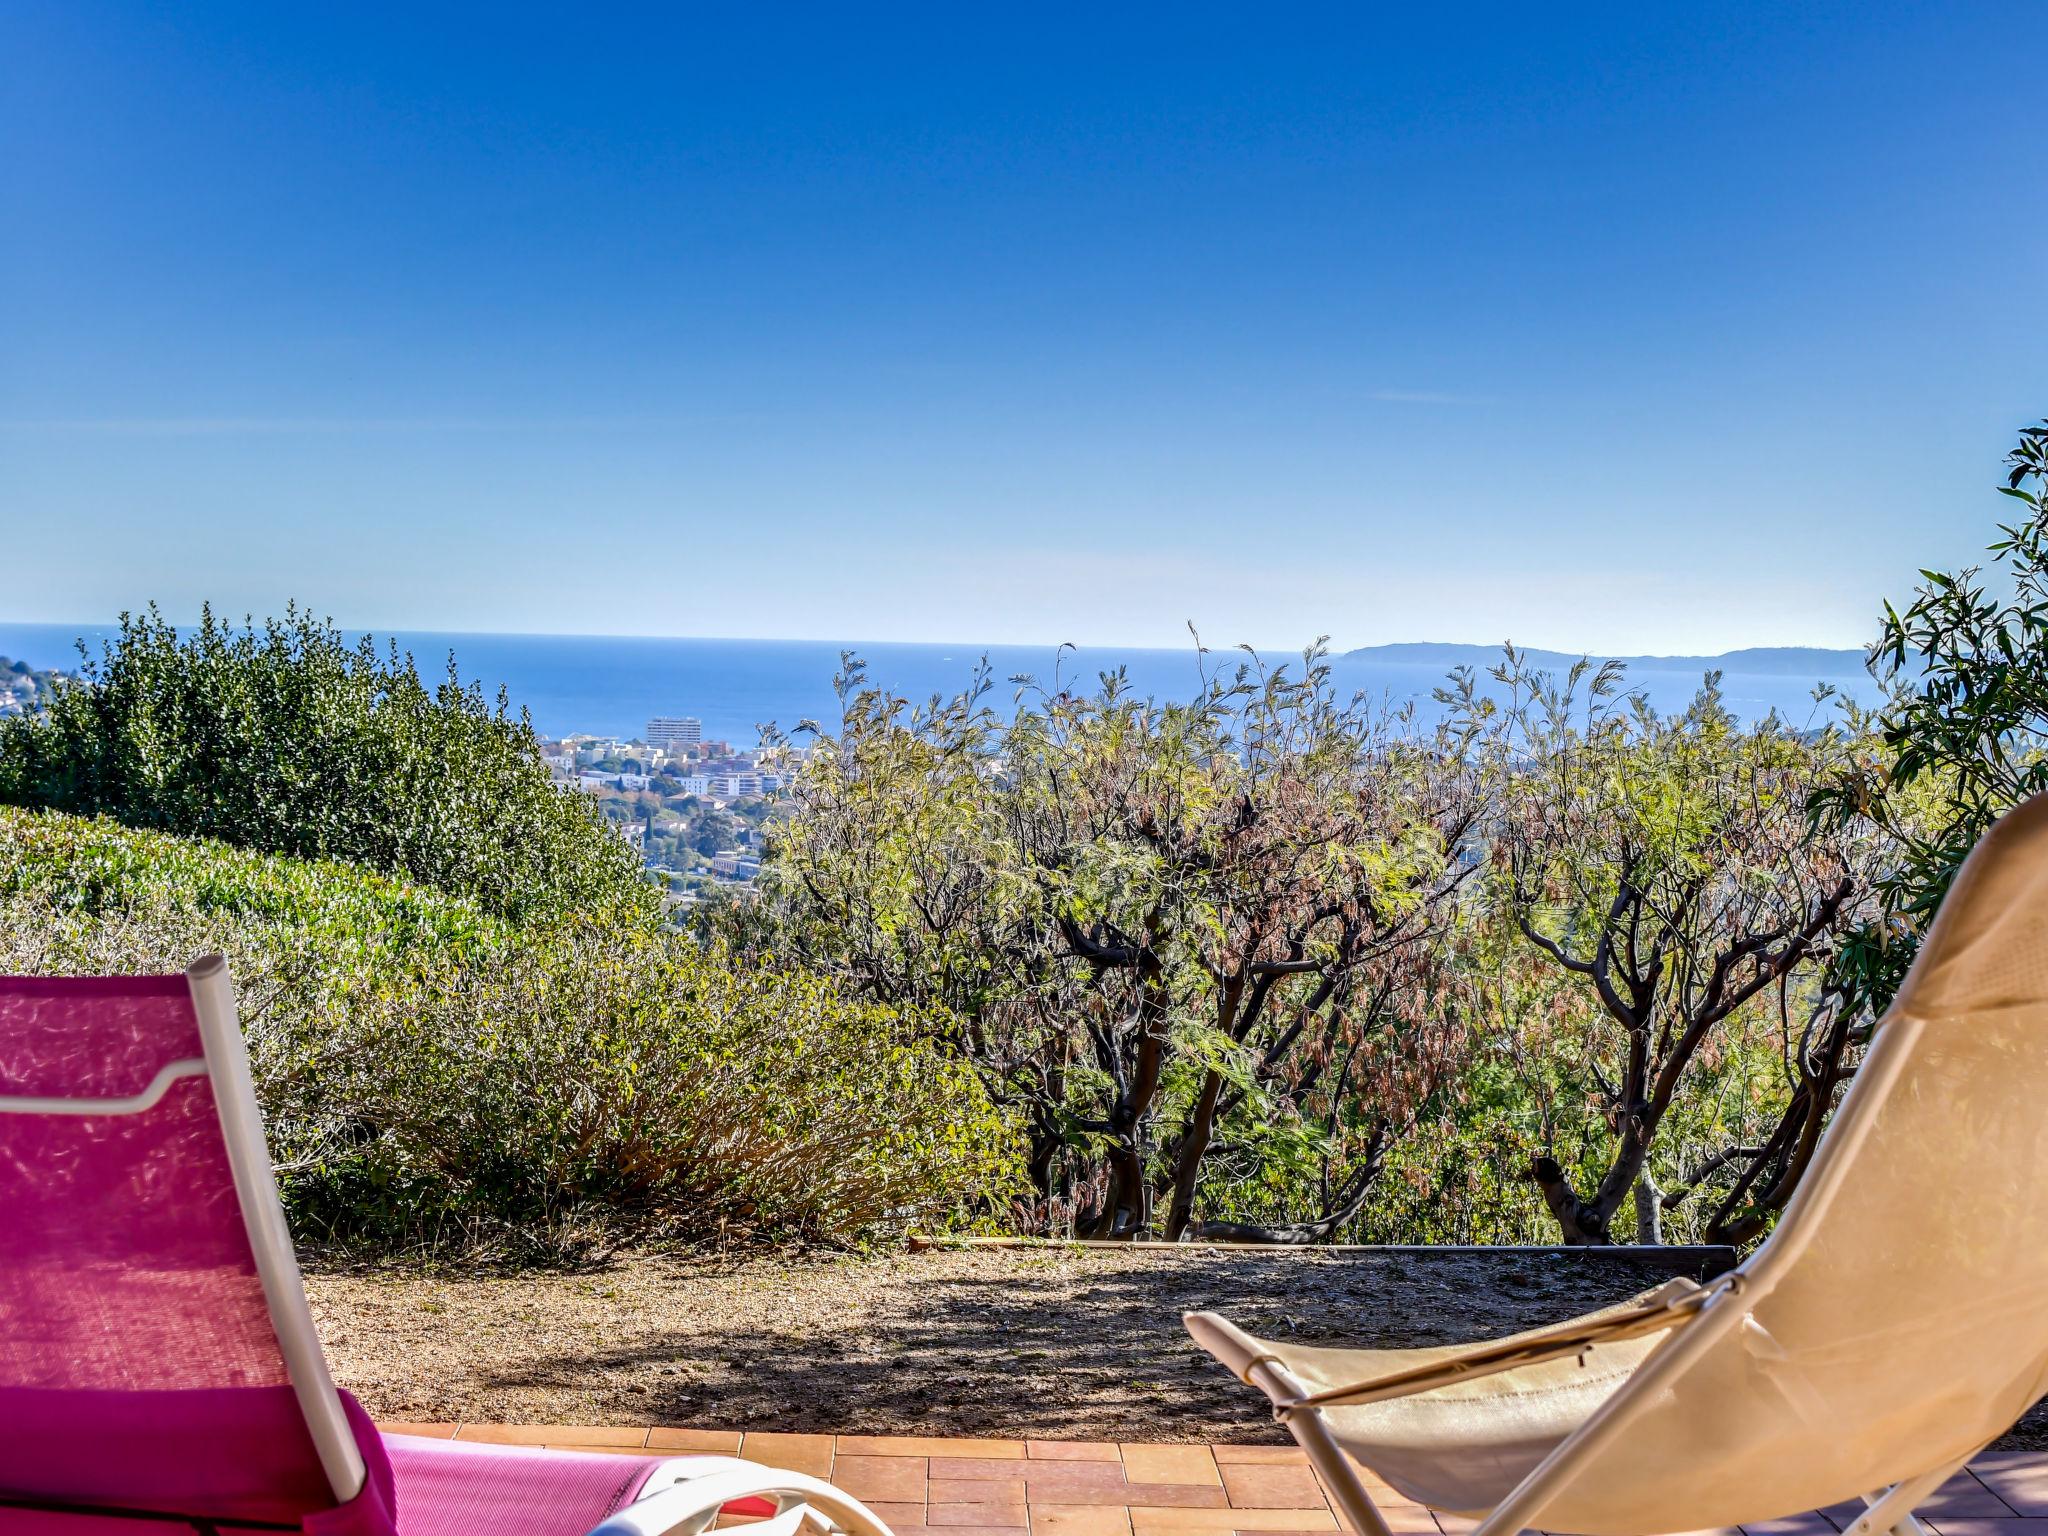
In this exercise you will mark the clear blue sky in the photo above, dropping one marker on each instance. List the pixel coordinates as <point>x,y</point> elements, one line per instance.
<point>1647,329</point>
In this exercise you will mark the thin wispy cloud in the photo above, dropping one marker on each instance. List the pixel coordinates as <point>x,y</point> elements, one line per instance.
<point>297,426</point>
<point>1423,397</point>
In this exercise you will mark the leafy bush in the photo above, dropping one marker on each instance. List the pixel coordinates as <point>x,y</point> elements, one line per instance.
<point>289,740</point>
<point>626,1072</point>
<point>1965,733</point>
<point>436,1078</point>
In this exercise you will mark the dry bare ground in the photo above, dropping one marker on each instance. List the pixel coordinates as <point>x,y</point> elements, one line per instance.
<point>1053,1342</point>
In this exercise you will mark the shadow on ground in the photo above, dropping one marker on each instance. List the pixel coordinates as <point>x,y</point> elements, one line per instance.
<point>986,1342</point>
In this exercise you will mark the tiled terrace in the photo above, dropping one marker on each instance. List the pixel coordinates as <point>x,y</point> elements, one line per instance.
<point>948,1487</point>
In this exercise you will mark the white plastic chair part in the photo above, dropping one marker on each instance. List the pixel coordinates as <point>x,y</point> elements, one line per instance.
<point>134,1104</point>
<point>682,1505</point>
<point>277,1266</point>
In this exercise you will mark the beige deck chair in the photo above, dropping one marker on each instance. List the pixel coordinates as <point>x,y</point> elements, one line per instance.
<point>1893,1325</point>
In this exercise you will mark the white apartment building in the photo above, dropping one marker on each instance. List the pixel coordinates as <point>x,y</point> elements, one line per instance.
<point>671,732</point>
<point>600,781</point>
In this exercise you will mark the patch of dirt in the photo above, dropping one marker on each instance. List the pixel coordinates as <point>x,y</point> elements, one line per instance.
<point>1057,1343</point>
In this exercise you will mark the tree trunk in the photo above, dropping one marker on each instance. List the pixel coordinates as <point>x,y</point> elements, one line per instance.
<point>1295,1234</point>
<point>1127,1210</point>
<point>1649,1210</point>
<point>1581,1222</point>
<point>1194,1145</point>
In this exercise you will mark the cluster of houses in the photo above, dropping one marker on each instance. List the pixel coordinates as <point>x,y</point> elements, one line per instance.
<point>697,782</point>
<point>673,758</point>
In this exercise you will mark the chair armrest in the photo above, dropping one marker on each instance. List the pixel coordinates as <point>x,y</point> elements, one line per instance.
<point>688,1504</point>
<point>1671,1305</point>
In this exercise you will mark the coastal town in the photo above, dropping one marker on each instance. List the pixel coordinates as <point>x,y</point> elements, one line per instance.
<point>696,810</point>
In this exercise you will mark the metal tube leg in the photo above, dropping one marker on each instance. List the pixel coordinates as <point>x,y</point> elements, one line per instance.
<point>1328,1458</point>
<point>1346,1487</point>
<point>1892,1510</point>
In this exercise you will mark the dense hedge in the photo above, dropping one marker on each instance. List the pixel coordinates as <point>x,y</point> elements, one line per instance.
<point>287,739</point>
<point>438,1079</point>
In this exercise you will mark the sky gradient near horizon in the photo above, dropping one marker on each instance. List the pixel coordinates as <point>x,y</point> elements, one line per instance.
<point>1607,329</point>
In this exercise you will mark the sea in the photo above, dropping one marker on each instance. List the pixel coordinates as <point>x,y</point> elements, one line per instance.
<point>613,685</point>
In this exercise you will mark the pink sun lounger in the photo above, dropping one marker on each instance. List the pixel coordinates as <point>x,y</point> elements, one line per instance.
<point>158,1364</point>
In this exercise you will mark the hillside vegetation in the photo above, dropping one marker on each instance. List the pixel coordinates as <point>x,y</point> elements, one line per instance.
<point>286,738</point>
<point>438,1079</point>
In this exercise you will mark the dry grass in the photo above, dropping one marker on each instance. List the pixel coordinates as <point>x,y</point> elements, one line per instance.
<point>1055,1343</point>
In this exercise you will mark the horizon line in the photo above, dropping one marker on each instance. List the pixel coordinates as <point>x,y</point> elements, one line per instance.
<point>1193,646</point>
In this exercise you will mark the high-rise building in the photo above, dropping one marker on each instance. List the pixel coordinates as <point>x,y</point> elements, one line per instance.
<point>669,733</point>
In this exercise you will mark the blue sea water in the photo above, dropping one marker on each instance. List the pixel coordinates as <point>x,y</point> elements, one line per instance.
<point>614,685</point>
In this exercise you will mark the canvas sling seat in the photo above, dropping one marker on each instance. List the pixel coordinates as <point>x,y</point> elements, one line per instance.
<point>1894,1323</point>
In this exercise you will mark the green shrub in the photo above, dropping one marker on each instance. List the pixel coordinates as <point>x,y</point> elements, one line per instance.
<point>437,1079</point>
<point>289,740</point>
<point>615,1071</point>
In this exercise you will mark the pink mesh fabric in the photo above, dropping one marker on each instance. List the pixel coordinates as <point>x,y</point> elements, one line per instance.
<point>447,1488</point>
<point>138,1366</point>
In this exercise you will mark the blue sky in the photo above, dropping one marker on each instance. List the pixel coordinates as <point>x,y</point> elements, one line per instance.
<point>1637,329</point>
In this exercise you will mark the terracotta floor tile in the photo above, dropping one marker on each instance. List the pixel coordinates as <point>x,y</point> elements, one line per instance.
<point>721,1442</point>
<point>1072,1450</point>
<point>811,1454</point>
<point>1051,1482</point>
<point>1079,1520</point>
<point>1402,1517</point>
<point>1393,1507</point>
<point>1965,1496</point>
<point>1271,1487</point>
<point>897,1479</point>
<point>1155,1521</point>
<point>1174,1495</point>
<point>898,1517</point>
<point>2020,1479</point>
<point>974,1514</point>
<point>978,1466</point>
<point>968,1490</point>
<point>555,1434</point>
<point>930,1445</point>
<point>925,1485</point>
<point>1169,1464</point>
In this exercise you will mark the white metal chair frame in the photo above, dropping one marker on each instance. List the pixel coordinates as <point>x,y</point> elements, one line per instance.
<point>681,1498</point>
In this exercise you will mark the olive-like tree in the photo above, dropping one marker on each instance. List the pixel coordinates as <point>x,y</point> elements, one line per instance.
<point>1666,864</point>
<point>1176,937</point>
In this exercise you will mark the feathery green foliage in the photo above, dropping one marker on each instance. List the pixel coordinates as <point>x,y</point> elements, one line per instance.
<point>1967,733</point>
<point>437,1079</point>
<point>287,739</point>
